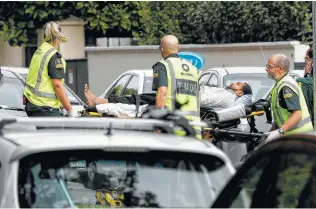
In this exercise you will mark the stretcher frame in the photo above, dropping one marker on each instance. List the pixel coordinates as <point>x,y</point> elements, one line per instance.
<point>224,131</point>
<point>228,132</point>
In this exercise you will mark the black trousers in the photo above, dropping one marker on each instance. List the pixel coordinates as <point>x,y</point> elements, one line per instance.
<point>41,111</point>
<point>131,99</point>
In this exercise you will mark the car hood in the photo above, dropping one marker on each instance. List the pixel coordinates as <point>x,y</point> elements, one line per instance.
<point>11,113</point>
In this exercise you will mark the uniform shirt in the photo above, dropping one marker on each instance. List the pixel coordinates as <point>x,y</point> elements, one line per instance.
<point>160,77</point>
<point>289,100</point>
<point>56,67</point>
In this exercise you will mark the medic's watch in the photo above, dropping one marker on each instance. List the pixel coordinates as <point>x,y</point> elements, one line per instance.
<point>281,131</point>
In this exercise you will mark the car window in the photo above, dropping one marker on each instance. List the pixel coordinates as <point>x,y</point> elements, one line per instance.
<point>247,185</point>
<point>132,86</point>
<point>94,178</point>
<point>148,85</point>
<point>118,87</point>
<point>11,91</point>
<point>287,182</point>
<point>213,82</point>
<point>259,82</point>
<point>203,79</point>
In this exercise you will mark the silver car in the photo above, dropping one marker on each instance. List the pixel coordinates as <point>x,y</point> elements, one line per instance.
<point>43,168</point>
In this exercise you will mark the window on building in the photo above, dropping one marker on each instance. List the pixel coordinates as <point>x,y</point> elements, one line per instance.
<point>30,48</point>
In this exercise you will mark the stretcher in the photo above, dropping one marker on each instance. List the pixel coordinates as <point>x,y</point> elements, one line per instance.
<point>224,124</point>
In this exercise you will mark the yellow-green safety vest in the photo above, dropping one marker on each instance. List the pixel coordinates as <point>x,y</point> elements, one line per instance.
<point>183,87</point>
<point>282,115</point>
<point>39,88</point>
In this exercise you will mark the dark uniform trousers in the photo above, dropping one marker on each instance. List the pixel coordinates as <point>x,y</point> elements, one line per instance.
<point>41,111</point>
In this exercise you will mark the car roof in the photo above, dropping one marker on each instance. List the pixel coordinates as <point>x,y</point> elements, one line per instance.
<point>237,70</point>
<point>147,72</point>
<point>19,70</point>
<point>50,140</point>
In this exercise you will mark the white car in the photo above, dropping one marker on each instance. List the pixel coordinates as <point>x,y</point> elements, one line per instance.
<point>11,91</point>
<point>42,168</point>
<point>131,82</point>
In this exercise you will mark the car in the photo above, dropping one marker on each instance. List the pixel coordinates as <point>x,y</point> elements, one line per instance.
<point>23,72</point>
<point>11,91</point>
<point>131,82</point>
<point>41,168</point>
<point>280,174</point>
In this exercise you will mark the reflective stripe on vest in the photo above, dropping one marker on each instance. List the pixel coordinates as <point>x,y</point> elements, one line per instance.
<point>39,89</point>
<point>281,114</point>
<point>173,95</point>
<point>39,79</point>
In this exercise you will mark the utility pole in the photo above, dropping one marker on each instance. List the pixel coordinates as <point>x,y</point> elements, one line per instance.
<point>314,57</point>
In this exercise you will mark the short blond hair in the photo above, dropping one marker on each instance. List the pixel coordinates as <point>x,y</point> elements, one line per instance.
<point>52,31</point>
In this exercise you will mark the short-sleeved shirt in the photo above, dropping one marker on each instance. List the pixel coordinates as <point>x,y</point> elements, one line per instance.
<point>160,77</point>
<point>56,67</point>
<point>289,100</point>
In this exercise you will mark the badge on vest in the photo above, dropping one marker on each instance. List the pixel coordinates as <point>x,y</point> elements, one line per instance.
<point>59,64</point>
<point>287,94</point>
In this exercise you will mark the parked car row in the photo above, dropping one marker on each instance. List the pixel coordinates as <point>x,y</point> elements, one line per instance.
<point>47,168</point>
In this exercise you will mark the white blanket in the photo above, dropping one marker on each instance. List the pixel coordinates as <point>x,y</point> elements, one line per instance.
<point>220,98</point>
<point>216,98</point>
<point>119,109</point>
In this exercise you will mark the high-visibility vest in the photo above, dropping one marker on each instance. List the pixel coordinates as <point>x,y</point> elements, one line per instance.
<point>282,115</point>
<point>183,87</point>
<point>39,88</point>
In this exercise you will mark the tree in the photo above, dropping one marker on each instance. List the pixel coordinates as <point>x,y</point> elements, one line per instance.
<point>166,17</point>
<point>19,20</point>
<point>190,21</point>
<point>247,21</point>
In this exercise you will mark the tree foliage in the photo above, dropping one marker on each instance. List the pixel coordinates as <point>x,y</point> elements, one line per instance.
<point>191,21</point>
<point>19,20</point>
<point>249,21</point>
<point>166,17</point>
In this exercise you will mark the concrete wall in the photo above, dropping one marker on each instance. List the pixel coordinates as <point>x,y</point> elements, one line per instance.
<point>73,28</point>
<point>106,63</point>
<point>11,56</point>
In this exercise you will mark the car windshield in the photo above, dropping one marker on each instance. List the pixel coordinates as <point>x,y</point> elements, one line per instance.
<point>259,82</point>
<point>115,178</point>
<point>11,91</point>
<point>148,85</point>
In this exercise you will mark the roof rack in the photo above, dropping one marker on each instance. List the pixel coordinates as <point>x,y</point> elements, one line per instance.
<point>167,126</point>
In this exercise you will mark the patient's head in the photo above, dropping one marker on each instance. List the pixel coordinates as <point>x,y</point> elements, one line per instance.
<point>241,88</point>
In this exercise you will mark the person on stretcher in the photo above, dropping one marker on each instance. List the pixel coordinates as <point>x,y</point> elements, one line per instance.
<point>238,92</point>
